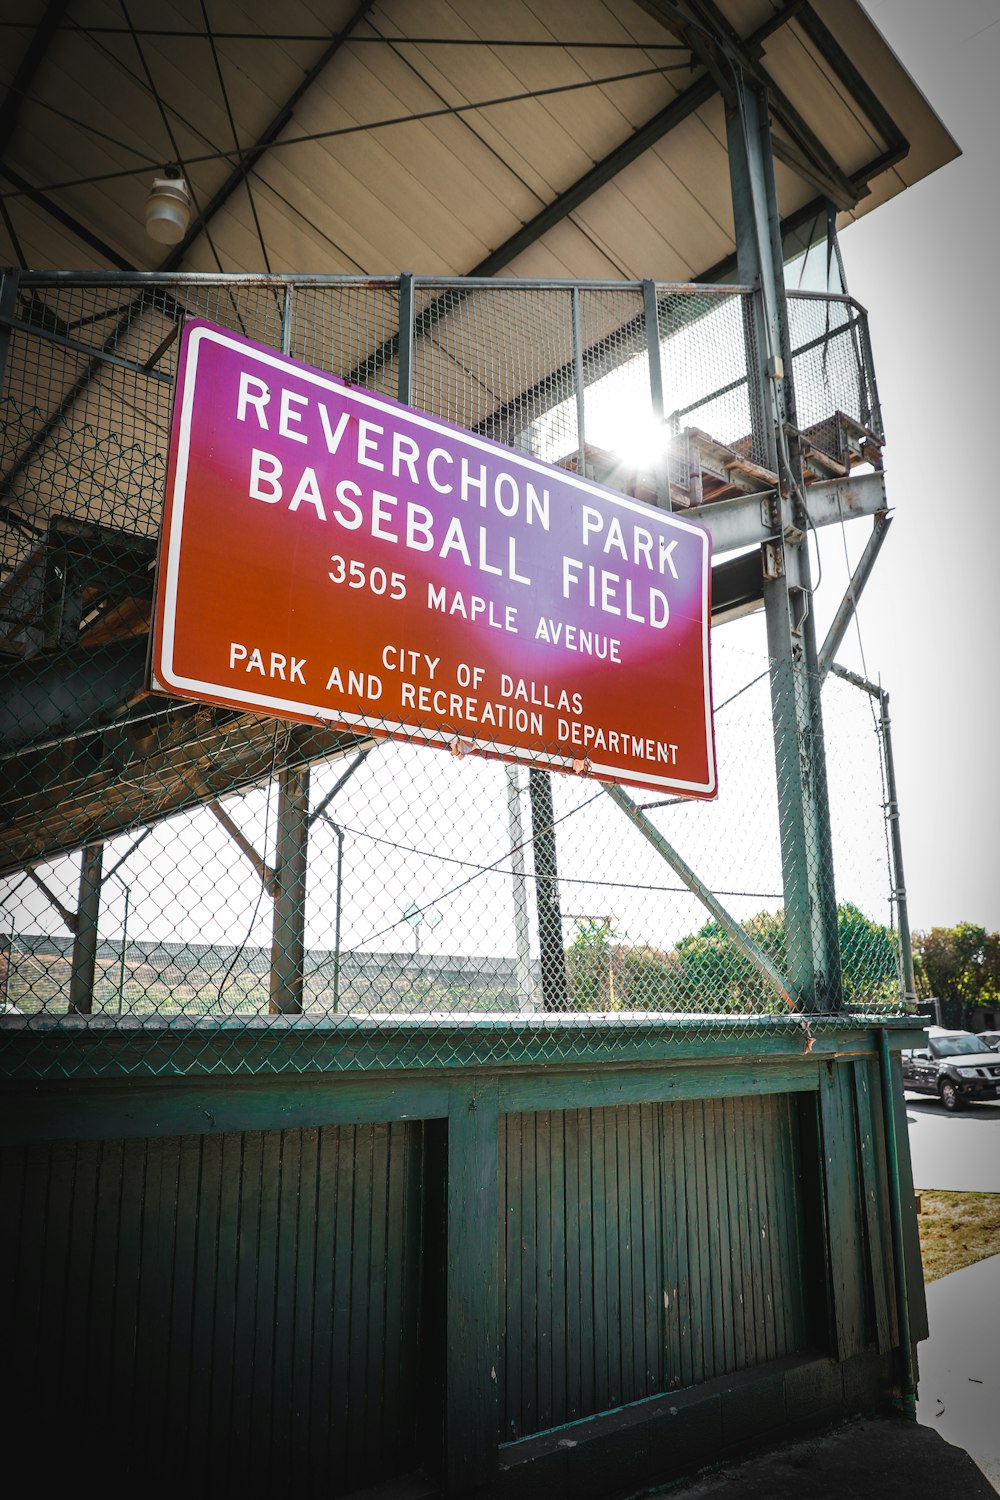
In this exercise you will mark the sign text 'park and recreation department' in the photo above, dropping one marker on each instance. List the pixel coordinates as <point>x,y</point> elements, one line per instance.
<point>332,555</point>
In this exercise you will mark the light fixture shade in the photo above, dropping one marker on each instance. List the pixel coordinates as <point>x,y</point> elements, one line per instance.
<point>168,210</point>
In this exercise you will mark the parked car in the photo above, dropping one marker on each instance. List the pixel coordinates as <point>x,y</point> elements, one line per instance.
<point>991,1038</point>
<point>955,1065</point>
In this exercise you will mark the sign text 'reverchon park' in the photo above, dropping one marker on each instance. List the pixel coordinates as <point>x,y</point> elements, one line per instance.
<point>329,554</point>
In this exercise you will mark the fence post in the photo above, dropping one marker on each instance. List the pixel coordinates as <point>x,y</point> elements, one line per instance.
<point>813,948</point>
<point>522,939</point>
<point>84,960</point>
<point>550,938</point>
<point>288,933</point>
<point>8,309</point>
<point>406,338</point>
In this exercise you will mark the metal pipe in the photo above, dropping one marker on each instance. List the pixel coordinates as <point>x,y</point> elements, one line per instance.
<point>550,939</point>
<point>580,385</point>
<point>288,933</point>
<point>319,811</point>
<point>336,930</point>
<point>407,339</point>
<point>909,1403</point>
<point>896,843</point>
<point>849,603</point>
<point>892,815</point>
<point>224,279</point>
<point>522,940</point>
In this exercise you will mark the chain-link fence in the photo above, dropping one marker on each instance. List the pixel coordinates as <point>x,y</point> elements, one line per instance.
<point>169,865</point>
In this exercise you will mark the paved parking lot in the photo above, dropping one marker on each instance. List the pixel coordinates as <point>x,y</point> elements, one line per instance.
<point>954,1152</point>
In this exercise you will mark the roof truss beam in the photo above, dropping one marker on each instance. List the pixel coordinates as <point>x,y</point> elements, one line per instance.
<point>34,55</point>
<point>721,49</point>
<point>250,158</point>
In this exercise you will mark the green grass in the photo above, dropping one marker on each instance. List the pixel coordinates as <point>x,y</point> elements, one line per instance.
<point>956,1230</point>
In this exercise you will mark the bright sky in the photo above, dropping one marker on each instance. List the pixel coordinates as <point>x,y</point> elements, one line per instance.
<point>925,267</point>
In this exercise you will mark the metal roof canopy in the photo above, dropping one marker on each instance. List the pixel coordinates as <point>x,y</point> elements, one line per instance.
<point>364,138</point>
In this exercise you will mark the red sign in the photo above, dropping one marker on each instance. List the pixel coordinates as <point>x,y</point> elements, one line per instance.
<point>330,555</point>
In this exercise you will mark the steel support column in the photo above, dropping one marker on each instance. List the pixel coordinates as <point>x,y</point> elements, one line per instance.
<point>288,939</point>
<point>522,938</point>
<point>550,939</point>
<point>908,976</point>
<point>813,951</point>
<point>84,961</point>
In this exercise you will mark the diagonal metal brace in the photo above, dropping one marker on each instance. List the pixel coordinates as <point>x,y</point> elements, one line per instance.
<point>764,965</point>
<point>69,917</point>
<point>849,603</point>
<point>268,876</point>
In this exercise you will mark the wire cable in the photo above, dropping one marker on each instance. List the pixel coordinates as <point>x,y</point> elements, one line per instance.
<point>345,130</point>
<point>236,140</point>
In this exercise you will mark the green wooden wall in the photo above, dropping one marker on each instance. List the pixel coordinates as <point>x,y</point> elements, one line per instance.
<point>644,1249</point>
<point>243,1310</point>
<point>312,1284</point>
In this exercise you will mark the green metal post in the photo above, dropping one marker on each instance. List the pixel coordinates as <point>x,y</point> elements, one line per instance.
<point>550,938</point>
<point>336,932</point>
<point>895,837</point>
<point>8,309</point>
<point>892,817</point>
<point>800,760</point>
<point>406,338</point>
<point>84,961</point>
<point>288,940</point>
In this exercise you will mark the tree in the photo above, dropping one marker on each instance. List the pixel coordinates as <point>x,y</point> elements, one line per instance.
<point>960,966</point>
<point>709,971</point>
<point>720,975</point>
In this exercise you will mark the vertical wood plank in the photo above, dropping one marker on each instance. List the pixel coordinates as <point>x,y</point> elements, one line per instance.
<point>361,1271</point>
<point>588,1282</point>
<point>671,1355</point>
<point>234,1289</point>
<point>472,1344</point>
<point>752,1262</point>
<point>210,1305</point>
<point>390,1427</point>
<point>280,1311</point>
<point>652,1280</point>
<point>734,1235</point>
<point>379,1255</point>
<point>576,1319</point>
<point>306,1315</point>
<point>245,1298</point>
<point>185,1210</point>
<point>696,1211</point>
<point>263,1299</point>
<point>843,1207</point>
<point>546,1331</point>
<point>916,1298</point>
<point>600,1193</point>
<point>512,1324</point>
<point>724,1249</point>
<point>558,1319</point>
<point>613,1231</point>
<point>323,1400</point>
<point>877,1244</point>
<point>626,1312</point>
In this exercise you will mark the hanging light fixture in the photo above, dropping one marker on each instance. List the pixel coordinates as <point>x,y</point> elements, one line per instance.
<point>168,207</point>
